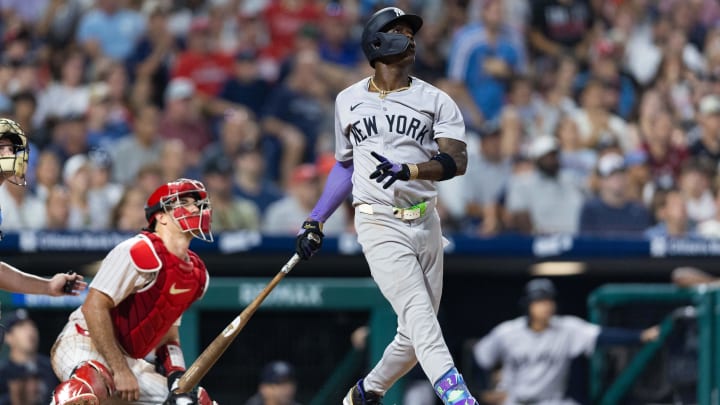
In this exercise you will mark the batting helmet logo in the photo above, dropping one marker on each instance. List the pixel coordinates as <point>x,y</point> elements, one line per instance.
<point>377,43</point>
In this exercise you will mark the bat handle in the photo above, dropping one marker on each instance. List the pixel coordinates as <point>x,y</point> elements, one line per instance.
<point>290,264</point>
<point>70,284</point>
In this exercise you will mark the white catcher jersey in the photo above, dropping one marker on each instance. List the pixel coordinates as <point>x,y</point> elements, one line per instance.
<point>535,365</point>
<point>403,127</point>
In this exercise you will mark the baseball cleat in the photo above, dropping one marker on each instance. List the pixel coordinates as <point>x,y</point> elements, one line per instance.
<point>358,396</point>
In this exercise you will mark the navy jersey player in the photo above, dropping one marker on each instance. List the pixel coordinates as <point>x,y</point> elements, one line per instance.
<point>536,350</point>
<point>395,137</point>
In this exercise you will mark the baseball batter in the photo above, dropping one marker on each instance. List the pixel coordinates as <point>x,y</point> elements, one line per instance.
<point>536,350</point>
<point>395,136</point>
<point>14,156</point>
<point>133,309</point>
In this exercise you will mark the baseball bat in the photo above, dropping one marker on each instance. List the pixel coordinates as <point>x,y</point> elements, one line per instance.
<point>212,353</point>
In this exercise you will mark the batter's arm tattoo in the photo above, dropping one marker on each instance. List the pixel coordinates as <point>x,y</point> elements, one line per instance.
<point>450,162</point>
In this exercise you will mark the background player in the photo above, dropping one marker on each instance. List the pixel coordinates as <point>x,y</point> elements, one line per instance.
<point>14,156</point>
<point>536,350</point>
<point>134,306</point>
<point>391,127</point>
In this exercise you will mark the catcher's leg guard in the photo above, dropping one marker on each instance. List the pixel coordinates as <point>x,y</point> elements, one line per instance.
<point>452,390</point>
<point>89,384</point>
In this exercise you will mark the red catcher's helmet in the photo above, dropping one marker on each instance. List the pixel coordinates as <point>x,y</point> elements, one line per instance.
<point>168,198</point>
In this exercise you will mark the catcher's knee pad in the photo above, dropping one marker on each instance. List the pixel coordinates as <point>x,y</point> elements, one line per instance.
<point>89,384</point>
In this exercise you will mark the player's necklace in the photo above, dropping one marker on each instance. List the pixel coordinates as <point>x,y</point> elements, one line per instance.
<point>384,93</point>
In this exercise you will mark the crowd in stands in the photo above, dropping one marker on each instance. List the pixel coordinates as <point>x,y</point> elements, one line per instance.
<point>596,117</point>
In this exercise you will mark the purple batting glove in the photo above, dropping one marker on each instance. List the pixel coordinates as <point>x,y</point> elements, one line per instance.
<point>388,169</point>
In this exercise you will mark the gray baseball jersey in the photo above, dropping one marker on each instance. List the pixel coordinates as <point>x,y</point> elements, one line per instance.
<point>402,127</point>
<point>535,365</point>
<point>405,256</point>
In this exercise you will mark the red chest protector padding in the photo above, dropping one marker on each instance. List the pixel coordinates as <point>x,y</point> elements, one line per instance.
<point>143,318</point>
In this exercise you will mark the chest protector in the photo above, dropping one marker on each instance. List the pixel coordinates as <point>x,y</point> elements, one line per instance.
<point>143,318</point>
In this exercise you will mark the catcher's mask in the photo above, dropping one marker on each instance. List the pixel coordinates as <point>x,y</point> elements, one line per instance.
<point>376,43</point>
<point>191,216</point>
<point>14,163</point>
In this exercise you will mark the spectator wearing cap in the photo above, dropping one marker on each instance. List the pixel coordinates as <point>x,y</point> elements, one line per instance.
<point>545,200</point>
<point>26,376</point>
<point>611,213</point>
<point>249,178</point>
<point>485,180</point>
<point>484,55</point>
<point>182,119</point>
<point>202,61</point>
<point>109,30</point>
<point>245,87</point>
<point>277,385</point>
<point>302,192</point>
<point>140,148</point>
<point>705,137</point>
<point>103,192</point>
<point>229,213</point>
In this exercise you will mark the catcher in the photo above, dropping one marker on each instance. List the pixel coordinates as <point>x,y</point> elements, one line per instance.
<point>133,309</point>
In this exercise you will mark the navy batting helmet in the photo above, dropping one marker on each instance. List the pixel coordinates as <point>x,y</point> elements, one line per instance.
<point>539,289</point>
<point>377,43</point>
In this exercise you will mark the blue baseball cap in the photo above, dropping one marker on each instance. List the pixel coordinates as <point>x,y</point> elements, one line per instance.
<point>277,372</point>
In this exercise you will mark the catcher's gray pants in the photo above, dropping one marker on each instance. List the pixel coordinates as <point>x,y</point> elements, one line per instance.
<point>406,262</point>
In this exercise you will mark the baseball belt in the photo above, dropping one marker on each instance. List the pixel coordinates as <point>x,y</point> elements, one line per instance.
<point>414,212</point>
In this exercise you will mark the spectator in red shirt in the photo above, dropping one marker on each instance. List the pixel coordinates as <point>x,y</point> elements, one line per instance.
<point>284,18</point>
<point>202,62</point>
